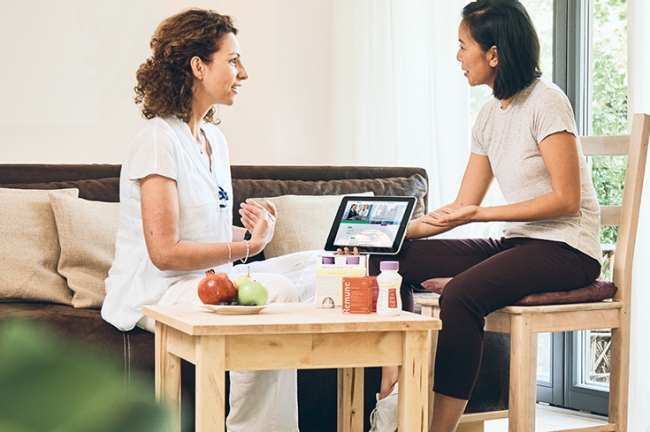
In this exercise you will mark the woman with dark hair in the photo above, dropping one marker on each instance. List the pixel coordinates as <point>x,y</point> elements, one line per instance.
<point>175,217</point>
<point>526,138</point>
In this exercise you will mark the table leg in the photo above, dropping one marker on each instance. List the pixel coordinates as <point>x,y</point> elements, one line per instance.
<point>168,375</point>
<point>350,399</point>
<point>433,346</point>
<point>413,397</point>
<point>210,384</point>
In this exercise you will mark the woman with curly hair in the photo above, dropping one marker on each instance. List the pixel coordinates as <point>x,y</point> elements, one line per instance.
<point>175,217</point>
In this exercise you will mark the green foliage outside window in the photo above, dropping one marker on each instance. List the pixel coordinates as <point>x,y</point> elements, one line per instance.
<point>609,99</point>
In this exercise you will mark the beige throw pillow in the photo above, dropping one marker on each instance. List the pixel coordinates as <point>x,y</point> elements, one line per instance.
<point>29,249</point>
<point>87,231</point>
<point>303,223</point>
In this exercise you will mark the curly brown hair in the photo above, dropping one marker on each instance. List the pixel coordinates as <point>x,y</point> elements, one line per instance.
<point>165,80</point>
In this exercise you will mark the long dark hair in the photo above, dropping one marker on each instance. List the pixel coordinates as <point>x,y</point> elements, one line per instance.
<point>506,25</point>
<point>165,81</point>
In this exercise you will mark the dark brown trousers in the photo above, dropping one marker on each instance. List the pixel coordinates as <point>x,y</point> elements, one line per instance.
<point>487,274</point>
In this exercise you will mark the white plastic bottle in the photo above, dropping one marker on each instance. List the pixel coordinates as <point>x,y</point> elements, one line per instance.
<point>389,300</point>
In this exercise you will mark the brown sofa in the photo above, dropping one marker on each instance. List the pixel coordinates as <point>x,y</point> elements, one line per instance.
<point>317,388</point>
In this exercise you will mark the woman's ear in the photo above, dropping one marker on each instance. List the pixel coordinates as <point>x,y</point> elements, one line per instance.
<point>198,67</point>
<point>492,56</point>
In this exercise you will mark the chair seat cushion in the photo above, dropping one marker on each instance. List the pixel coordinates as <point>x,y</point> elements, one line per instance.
<point>598,290</point>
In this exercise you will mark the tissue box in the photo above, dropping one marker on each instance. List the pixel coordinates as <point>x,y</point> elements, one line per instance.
<point>330,272</point>
<point>357,295</point>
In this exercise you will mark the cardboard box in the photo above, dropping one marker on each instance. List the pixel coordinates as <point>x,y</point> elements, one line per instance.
<point>357,295</point>
<point>330,273</point>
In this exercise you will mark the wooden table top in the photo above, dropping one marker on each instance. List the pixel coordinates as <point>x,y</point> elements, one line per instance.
<point>284,318</point>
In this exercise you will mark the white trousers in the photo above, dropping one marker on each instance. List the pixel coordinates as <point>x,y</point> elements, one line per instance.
<point>260,401</point>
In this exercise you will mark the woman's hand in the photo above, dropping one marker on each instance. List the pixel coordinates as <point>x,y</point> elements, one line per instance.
<point>449,218</point>
<point>346,251</point>
<point>260,221</point>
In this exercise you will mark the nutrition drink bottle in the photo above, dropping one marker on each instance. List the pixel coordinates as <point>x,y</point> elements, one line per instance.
<point>389,301</point>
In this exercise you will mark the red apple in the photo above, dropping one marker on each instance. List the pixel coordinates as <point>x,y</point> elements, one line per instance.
<point>215,288</point>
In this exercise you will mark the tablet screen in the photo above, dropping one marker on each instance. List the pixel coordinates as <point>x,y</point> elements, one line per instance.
<point>372,224</point>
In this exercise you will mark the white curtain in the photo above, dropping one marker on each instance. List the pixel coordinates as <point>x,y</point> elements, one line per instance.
<point>398,96</point>
<point>639,101</point>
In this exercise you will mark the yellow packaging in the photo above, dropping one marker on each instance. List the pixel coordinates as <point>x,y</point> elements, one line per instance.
<point>329,277</point>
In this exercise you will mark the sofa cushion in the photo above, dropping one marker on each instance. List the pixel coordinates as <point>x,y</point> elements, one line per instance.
<point>29,251</point>
<point>105,189</point>
<point>86,326</point>
<point>303,222</point>
<point>87,231</point>
<point>598,290</point>
<point>415,185</point>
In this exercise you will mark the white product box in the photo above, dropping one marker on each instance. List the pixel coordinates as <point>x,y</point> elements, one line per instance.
<point>329,277</point>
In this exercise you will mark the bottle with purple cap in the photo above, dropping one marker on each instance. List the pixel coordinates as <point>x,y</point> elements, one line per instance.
<point>389,301</point>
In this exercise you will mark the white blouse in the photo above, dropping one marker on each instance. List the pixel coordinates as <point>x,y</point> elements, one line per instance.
<point>166,147</point>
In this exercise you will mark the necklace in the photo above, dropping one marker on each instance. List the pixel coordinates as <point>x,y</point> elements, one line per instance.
<point>204,149</point>
<point>201,143</point>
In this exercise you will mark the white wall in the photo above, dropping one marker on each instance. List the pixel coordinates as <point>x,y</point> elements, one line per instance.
<point>639,102</point>
<point>68,67</point>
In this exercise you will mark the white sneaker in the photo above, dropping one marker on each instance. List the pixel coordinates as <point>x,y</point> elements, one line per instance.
<point>384,417</point>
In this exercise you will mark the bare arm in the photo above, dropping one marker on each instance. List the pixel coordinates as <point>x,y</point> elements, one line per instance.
<point>160,219</point>
<point>560,155</point>
<point>475,184</point>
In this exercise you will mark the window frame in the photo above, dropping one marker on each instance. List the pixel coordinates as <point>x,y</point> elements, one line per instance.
<point>572,70</point>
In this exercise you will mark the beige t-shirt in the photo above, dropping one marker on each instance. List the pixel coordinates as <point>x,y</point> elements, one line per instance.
<point>510,139</point>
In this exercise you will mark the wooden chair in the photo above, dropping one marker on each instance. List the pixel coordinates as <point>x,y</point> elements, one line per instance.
<point>525,322</point>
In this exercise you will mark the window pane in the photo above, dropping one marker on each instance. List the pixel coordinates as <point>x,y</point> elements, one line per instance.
<point>544,357</point>
<point>609,67</point>
<point>608,114</point>
<point>609,98</point>
<point>594,368</point>
<point>541,12</point>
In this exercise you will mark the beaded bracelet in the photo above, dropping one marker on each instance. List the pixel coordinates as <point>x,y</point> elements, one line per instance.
<point>243,261</point>
<point>229,253</point>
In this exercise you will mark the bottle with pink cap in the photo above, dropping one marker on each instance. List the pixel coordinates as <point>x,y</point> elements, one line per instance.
<point>389,301</point>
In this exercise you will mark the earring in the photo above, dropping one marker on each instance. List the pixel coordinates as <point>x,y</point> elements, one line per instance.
<point>217,121</point>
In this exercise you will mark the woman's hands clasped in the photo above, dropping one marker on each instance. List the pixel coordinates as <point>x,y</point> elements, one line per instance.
<point>448,218</point>
<point>259,220</point>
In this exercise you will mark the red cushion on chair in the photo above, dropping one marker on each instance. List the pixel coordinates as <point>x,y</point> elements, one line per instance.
<point>435,285</point>
<point>598,290</point>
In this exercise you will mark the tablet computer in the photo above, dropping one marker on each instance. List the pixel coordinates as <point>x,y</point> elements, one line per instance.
<point>373,224</point>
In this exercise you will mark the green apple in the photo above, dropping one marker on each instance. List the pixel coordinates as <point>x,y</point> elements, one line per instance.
<point>252,292</point>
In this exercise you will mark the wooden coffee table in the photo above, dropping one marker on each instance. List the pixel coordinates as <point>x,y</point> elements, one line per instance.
<point>292,336</point>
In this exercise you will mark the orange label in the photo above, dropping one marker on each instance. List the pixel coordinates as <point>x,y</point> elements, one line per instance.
<point>392,298</point>
<point>357,295</point>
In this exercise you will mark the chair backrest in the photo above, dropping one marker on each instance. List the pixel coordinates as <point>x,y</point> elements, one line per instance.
<point>625,216</point>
